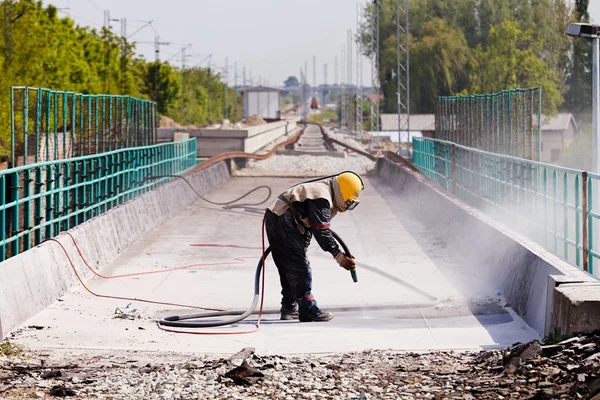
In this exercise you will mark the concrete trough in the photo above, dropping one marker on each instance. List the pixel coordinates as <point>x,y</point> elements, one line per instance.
<point>35,279</point>
<point>534,282</point>
<point>546,292</point>
<point>211,142</point>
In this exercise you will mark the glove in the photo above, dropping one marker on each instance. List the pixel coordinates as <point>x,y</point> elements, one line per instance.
<point>345,262</point>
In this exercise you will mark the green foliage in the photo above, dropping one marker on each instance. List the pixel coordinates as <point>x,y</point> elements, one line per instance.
<point>443,54</point>
<point>455,45</point>
<point>510,61</point>
<point>320,118</point>
<point>9,349</point>
<point>200,99</point>
<point>38,48</point>
<point>578,98</point>
<point>161,84</point>
<point>291,81</point>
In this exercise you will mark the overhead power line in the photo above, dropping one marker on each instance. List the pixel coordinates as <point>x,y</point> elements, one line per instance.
<point>95,6</point>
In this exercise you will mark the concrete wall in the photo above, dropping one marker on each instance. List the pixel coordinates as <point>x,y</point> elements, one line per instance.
<point>215,141</point>
<point>525,272</point>
<point>33,280</point>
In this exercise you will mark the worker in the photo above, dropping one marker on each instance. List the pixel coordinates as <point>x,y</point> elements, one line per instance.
<point>292,219</point>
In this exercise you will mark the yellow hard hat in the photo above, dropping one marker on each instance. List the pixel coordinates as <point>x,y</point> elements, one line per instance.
<point>351,184</point>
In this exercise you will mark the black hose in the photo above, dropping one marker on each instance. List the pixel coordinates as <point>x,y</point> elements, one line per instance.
<point>180,321</point>
<point>227,203</point>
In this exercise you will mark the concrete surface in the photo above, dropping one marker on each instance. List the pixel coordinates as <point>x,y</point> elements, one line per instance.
<point>521,269</point>
<point>577,309</point>
<point>406,298</point>
<point>33,280</point>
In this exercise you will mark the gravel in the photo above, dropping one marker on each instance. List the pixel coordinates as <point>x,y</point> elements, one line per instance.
<point>568,370</point>
<point>306,164</point>
<point>346,139</point>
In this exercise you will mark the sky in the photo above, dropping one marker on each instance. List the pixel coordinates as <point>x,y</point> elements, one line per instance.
<point>272,39</point>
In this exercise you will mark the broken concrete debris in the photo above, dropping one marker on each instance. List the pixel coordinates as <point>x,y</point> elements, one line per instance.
<point>566,370</point>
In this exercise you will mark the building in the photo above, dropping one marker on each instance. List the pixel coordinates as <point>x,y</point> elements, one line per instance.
<point>420,125</point>
<point>557,134</point>
<point>263,101</point>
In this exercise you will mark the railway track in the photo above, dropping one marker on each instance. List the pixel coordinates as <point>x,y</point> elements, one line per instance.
<point>311,140</point>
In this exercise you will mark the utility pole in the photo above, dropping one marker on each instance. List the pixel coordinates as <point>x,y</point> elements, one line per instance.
<point>235,82</point>
<point>315,75</point>
<point>183,82</point>
<point>123,56</point>
<point>244,77</point>
<point>359,90</point>
<point>324,99</point>
<point>303,90</point>
<point>349,112</point>
<point>107,50</point>
<point>225,94</point>
<point>336,70</point>
<point>343,89</point>
<point>8,33</point>
<point>157,44</point>
<point>306,83</point>
<point>375,71</point>
<point>403,73</point>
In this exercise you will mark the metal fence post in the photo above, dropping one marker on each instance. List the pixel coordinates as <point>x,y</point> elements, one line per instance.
<point>453,157</point>
<point>584,219</point>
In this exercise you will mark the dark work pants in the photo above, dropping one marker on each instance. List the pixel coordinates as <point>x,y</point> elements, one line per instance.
<point>288,248</point>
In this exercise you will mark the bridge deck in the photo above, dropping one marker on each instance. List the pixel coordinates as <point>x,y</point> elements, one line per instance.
<point>413,292</point>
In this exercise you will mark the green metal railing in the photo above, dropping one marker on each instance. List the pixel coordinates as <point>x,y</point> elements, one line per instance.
<point>552,205</point>
<point>49,125</point>
<point>507,122</point>
<point>40,200</point>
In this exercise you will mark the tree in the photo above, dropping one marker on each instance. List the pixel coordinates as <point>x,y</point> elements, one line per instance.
<point>439,61</point>
<point>510,61</point>
<point>291,81</point>
<point>578,98</point>
<point>472,20</point>
<point>161,84</point>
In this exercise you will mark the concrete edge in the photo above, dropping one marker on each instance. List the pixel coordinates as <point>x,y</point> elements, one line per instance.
<point>520,265</point>
<point>576,308</point>
<point>37,278</point>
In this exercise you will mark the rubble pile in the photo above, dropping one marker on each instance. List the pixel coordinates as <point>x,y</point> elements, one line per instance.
<point>566,370</point>
<point>169,123</point>
<point>254,120</point>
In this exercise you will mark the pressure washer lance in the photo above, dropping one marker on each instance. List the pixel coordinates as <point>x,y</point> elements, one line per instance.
<point>181,321</point>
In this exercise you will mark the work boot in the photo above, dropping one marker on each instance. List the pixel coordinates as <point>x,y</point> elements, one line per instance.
<point>320,317</point>
<point>310,311</point>
<point>289,313</point>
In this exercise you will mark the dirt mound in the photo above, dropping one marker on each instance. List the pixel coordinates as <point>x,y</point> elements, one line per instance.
<point>254,120</point>
<point>227,125</point>
<point>166,122</point>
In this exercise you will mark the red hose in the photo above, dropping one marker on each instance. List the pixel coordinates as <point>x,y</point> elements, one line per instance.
<point>239,259</point>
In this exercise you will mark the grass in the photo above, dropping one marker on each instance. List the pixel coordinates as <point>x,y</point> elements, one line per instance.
<point>11,350</point>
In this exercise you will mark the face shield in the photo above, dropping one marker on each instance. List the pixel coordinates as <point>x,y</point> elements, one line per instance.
<point>351,204</point>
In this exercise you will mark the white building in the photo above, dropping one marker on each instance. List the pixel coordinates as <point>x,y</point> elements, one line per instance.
<point>263,101</point>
